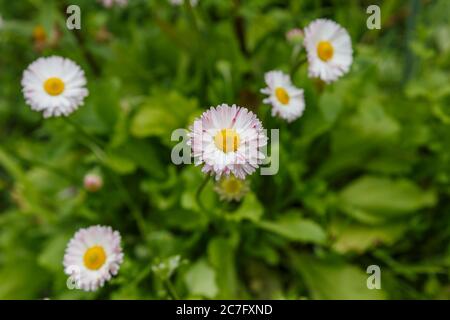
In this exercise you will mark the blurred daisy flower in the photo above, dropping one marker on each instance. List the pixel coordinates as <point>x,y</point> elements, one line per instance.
<point>110,3</point>
<point>93,182</point>
<point>228,140</point>
<point>39,34</point>
<point>43,40</point>
<point>54,85</point>
<point>287,101</point>
<point>180,2</point>
<point>329,49</point>
<point>93,256</point>
<point>231,189</point>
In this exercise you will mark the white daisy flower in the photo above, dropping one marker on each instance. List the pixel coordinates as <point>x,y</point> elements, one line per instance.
<point>110,3</point>
<point>228,140</point>
<point>180,2</point>
<point>329,48</point>
<point>231,189</point>
<point>54,85</point>
<point>287,101</point>
<point>93,256</point>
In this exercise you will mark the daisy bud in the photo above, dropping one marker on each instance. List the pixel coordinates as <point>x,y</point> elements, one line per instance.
<point>295,36</point>
<point>93,182</point>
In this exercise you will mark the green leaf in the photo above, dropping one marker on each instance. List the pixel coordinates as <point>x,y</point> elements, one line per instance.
<point>329,279</point>
<point>162,113</point>
<point>181,219</point>
<point>192,178</point>
<point>221,255</point>
<point>152,121</point>
<point>373,199</point>
<point>22,279</point>
<point>200,280</point>
<point>143,154</point>
<point>250,209</point>
<point>359,238</point>
<point>119,163</point>
<point>52,254</point>
<point>295,228</point>
<point>331,106</point>
<point>373,123</point>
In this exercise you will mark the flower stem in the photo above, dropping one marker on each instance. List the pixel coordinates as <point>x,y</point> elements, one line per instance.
<point>199,193</point>
<point>95,146</point>
<point>137,214</point>
<point>82,131</point>
<point>192,16</point>
<point>171,290</point>
<point>296,66</point>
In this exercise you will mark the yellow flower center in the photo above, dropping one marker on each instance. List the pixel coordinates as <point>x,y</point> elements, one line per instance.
<point>94,258</point>
<point>325,50</point>
<point>227,140</point>
<point>54,86</point>
<point>39,33</point>
<point>232,185</point>
<point>282,95</point>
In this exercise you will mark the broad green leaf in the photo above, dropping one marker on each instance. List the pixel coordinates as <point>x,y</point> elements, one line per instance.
<point>373,122</point>
<point>153,121</point>
<point>331,105</point>
<point>201,280</point>
<point>120,164</point>
<point>163,112</point>
<point>143,154</point>
<point>250,209</point>
<point>296,228</point>
<point>372,199</point>
<point>52,254</point>
<point>334,280</point>
<point>22,279</point>
<point>359,238</point>
<point>193,178</point>
<point>221,255</point>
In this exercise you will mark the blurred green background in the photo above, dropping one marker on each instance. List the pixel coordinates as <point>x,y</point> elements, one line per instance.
<point>364,175</point>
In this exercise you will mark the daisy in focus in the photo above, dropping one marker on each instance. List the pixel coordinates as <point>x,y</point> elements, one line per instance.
<point>329,49</point>
<point>93,256</point>
<point>231,189</point>
<point>287,101</point>
<point>227,140</point>
<point>110,3</point>
<point>54,85</point>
